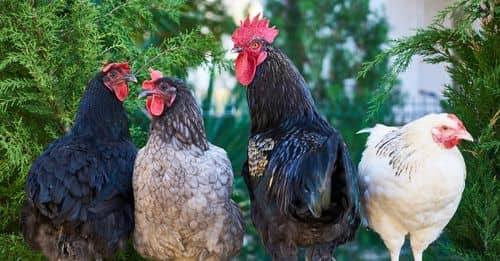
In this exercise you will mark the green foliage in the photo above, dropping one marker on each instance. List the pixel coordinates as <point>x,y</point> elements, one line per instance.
<point>49,50</point>
<point>471,48</point>
<point>329,40</point>
<point>12,247</point>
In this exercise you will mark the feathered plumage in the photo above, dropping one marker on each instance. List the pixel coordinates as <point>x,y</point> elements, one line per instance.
<point>79,203</point>
<point>302,182</point>
<point>183,184</point>
<point>411,180</point>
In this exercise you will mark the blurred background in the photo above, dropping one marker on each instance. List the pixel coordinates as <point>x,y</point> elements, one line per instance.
<point>328,41</point>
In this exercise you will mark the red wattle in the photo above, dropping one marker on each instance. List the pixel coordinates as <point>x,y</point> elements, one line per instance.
<point>121,91</point>
<point>245,66</point>
<point>451,143</point>
<point>155,105</point>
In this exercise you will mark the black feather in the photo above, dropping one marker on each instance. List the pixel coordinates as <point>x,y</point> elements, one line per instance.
<point>79,191</point>
<point>308,167</point>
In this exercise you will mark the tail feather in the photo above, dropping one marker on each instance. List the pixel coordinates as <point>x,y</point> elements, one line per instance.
<point>376,133</point>
<point>317,184</point>
<point>332,177</point>
<point>365,130</point>
<point>351,178</point>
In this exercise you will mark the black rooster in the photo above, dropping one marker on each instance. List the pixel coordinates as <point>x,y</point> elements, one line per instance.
<point>302,181</point>
<point>79,202</point>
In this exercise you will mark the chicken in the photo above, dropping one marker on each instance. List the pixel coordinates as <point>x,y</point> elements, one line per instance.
<point>411,180</point>
<point>302,181</point>
<point>182,183</point>
<point>79,202</point>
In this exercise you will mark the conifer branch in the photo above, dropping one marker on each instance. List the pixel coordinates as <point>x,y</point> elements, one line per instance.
<point>49,51</point>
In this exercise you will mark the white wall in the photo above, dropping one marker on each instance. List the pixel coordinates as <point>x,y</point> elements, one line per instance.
<point>404,16</point>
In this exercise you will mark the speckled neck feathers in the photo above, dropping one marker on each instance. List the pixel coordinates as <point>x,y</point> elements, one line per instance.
<point>182,124</point>
<point>278,94</point>
<point>101,116</point>
<point>401,153</point>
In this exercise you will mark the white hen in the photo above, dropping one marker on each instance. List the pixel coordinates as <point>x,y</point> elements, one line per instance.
<point>411,179</point>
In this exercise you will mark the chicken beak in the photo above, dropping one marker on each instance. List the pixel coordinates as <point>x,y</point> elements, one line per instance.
<point>145,94</point>
<point>171,91</point>
<point>237,49</point>
<point>130,78</point>
<point>464,135</point>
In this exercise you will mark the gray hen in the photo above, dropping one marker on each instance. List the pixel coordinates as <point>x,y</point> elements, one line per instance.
<point>182,183</point>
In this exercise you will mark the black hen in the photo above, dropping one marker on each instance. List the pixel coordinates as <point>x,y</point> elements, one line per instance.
<point>79,202</point>
<point>302,181</point>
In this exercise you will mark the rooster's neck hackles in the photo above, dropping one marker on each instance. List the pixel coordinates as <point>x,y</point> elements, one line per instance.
<point>278,95</point>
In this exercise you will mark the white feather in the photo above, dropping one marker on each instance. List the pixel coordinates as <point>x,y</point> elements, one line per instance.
<point>420,203</point>
<point>376,133</point>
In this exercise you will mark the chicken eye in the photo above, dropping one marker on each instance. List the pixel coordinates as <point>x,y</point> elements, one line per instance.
<point>254,45</point>
<point>445,128</point>
<point>112,74</point>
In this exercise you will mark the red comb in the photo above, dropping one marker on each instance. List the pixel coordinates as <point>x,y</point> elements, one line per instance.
<point>155,75</point>
<point>255,28</point>
<point>123,66</point>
